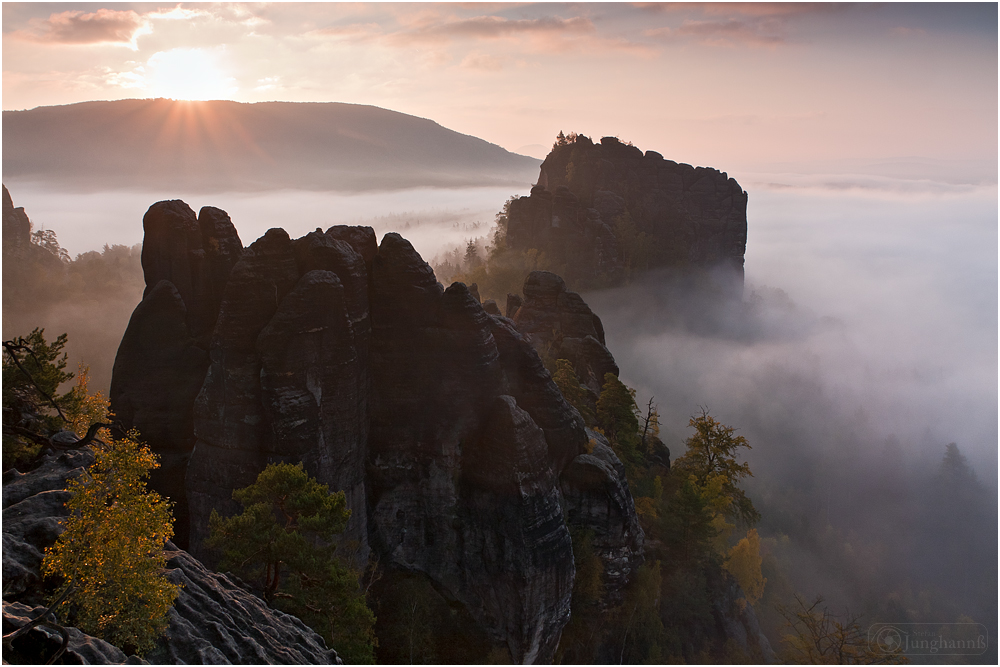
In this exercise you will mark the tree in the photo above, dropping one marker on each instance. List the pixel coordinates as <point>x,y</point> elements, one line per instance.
<point>472,259</point>
<point>33,408</point>
<point>814,636</point>
<point>743,562</point>
<point>711,459</point>
<point>575,393</point>
<point>617,416</point>
<point>110,555</point>
<point>650,427</point>
<point>282,540</point>
<point>33,370</point>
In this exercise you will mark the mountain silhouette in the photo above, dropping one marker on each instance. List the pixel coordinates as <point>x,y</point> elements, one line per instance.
<point>233,146</point>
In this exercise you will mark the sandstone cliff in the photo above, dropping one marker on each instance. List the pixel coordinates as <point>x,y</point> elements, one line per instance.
<point>592,201</point>
<point>458,455</point>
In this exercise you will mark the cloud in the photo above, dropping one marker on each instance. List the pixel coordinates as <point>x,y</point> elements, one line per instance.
<point>482,61</point>
<point>728,33</point>
<point>495,27</point>
<point>105,26</point>
<point>351,31</point>
<point>739,8</point>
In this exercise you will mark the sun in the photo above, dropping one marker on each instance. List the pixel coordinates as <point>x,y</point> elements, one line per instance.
<point>188,74</point>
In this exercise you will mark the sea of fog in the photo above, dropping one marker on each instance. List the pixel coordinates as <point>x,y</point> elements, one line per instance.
<point>430,218</point>
<point>875,300</point>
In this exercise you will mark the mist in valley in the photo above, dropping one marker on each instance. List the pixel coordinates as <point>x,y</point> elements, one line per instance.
<point>864,344</point>
<point>95,310</point>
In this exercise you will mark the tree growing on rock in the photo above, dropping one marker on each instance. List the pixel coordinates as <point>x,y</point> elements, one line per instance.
<point>711,459</point>
<point>575,393</point>
<point>282,541</point>
<point>617,415</point>
<point>33,408</point>
<point>110,555</point>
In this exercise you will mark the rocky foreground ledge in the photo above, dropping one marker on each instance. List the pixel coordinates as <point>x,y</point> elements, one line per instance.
<point>213,622</point>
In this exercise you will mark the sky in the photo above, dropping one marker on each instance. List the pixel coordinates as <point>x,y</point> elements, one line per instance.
<point>751,87</point>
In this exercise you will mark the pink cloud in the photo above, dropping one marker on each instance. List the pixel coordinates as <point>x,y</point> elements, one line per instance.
<point>732,32</point>
<point>740,8</point>
<point>77,27</point>
<point>482,61</point>
<point>494,27</point>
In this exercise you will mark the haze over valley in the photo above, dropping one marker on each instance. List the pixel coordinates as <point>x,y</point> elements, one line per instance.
<point>859,359</point>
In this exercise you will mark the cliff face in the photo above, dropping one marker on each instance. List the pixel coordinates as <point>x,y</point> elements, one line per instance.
<point>593,200</point>
<point>458,455</point>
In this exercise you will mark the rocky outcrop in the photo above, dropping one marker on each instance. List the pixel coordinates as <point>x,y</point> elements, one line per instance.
<point>434,414</point>
<point>163,355</point>
<point>598,500</point>
<point>560,325</point>
<point>287,380</point>
<point>444,406</point>
<point>213,621</point>
<point>16,226</point>
<point>737,621</point>
<point>593,200</point>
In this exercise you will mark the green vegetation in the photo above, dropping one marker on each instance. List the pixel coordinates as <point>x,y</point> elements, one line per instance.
<point>497,269</point>
<point>665,614</point>
<point>110,556</point>
<point>573,391</point>
<point>33,372</point>
<point>282,541</point>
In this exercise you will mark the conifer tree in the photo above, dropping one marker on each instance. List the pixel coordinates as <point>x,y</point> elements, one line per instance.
<point>281,540</point>
<point>575,393</point>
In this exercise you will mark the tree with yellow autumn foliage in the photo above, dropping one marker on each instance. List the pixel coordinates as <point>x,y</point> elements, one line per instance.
<point>743,562</point>
<point>110,555</point>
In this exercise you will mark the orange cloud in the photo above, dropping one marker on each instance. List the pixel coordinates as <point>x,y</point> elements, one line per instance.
<point>77,27</point>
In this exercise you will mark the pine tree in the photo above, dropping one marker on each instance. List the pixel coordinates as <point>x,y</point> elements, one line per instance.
<point>617,415</point>
<point>282,541</point>
<point>575,393</point>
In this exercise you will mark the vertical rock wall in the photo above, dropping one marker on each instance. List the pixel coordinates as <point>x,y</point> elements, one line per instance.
<point>692,217</point>
<point>437,419</point>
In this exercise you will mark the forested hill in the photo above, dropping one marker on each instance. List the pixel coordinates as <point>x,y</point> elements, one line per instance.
<point>223,145</point>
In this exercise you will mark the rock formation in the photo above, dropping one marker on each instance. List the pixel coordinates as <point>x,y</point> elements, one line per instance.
<point>163,356</point>
<point>454,447</point>
<point>213,621</point>
<point>592,201</point>
<point>561,325</point>
<point>16,226</point>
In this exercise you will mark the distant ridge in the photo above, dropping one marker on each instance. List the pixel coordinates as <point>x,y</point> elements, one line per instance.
<point>233,146</point>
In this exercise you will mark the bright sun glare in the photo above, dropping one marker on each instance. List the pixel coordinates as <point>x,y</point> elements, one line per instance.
<point>188,74</point>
